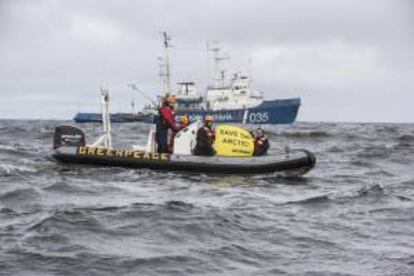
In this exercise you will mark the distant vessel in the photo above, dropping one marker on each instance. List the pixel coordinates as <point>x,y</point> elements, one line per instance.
<point>230,101</point>
<point>142,116</point>
<point>115,117</point>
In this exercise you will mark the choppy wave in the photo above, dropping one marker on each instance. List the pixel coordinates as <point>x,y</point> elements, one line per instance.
<point>406,138</point>
<point>8,148</point>
<point>12,130</point>
<point>311,200</point>
<point>19,196</point>
<point>9,169</point>
<point>306,134</point>
<point>351,215</point>
<point>373,191</point>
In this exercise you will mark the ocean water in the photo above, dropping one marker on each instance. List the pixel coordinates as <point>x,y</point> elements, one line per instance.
<point>353,214</point>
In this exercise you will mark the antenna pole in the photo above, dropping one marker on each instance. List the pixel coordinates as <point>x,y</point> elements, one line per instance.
<point>165,66</point>
<point>208,63</point>
<point>106,120</point>
<point>250,69</point>
<point>218,72</point>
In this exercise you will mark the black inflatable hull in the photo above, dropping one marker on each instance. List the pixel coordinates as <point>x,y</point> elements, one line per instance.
<point>297,163</point>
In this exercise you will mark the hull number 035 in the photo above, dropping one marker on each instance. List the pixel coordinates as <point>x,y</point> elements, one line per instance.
<point>258,117</point>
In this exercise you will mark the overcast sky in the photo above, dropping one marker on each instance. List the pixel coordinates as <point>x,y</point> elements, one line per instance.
<point>348,60</point>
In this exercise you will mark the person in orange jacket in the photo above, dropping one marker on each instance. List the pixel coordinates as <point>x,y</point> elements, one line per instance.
<point>184,121</point>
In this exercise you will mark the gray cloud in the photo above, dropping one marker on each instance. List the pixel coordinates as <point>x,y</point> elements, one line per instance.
<point>348,60</point>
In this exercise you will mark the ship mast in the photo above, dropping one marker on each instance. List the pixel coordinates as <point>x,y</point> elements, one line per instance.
<point>165,66</point>
<point>218,56</point>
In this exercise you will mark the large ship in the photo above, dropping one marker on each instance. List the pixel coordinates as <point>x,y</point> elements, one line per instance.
<point>235,104</point>
<point>228,101</point>
<point>115,117</point>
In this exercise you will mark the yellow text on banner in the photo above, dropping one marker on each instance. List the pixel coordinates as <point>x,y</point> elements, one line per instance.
<point>233,141</point>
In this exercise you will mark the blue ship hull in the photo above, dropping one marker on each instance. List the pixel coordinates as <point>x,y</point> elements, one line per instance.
<point>115,118</point>
<point>268,112</point>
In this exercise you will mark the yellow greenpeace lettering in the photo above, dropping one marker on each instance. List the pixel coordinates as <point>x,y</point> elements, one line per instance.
<point>121,154</point>
<point>91,151</point>
<point>233,141</point>
<point>164,156</point>
<point>100,151</point>
<point>138,154</point>
<point>82,150</point>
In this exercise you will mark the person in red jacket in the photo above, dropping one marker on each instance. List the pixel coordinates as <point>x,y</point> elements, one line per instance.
<point>165,122</point>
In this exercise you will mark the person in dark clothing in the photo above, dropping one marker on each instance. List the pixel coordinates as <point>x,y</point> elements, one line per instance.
<point>165,122</point>
<point>205,138</point>
<point>261,143</point>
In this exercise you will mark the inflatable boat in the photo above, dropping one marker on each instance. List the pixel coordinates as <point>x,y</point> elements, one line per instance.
<point>233,145</point>
<point>70,147</point>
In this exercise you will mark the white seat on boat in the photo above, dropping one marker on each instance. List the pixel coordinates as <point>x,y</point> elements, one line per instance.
<point>185,140</point>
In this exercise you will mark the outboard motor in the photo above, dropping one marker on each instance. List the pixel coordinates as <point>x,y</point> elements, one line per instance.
<point>68,136</point>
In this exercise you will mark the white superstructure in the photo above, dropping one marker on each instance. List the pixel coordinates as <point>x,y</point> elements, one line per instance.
<point>220,94</point>
<point>236,95</point>
<point>188,98</point>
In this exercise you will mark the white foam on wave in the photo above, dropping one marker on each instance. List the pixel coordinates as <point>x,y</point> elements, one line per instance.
<point>9,169</point>
<point>8,147</point>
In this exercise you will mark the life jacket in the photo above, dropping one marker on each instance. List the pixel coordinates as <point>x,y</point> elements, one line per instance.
<point>210,134</point>
<point>261,140</point>
<point>261,145</point>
